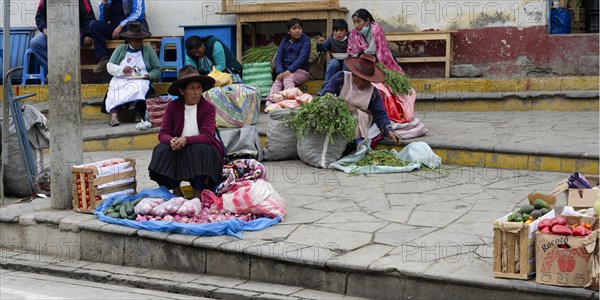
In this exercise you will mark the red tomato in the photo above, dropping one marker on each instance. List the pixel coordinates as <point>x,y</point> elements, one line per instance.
<point>87,198</point>
<point>78,181</point>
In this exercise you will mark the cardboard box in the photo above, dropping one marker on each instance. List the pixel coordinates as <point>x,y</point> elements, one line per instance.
<point>577,198</point>
<point>514,246</point>
<point>584,198</point>
<point>563,260</point>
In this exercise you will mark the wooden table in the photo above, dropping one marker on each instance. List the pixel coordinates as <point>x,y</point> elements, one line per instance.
<point>327,10</point>
<point>425,36</point>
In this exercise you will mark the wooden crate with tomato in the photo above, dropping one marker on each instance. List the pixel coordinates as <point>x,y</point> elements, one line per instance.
<point>514,242</point>
<point>95,182</point>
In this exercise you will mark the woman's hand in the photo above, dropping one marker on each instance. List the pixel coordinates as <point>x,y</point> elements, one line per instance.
<point>178,143</point>
<point>287,73</point>
<point>394,137</point>
<point>127,70</point>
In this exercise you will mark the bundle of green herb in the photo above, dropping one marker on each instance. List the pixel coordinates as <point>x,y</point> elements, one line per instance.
<point>381,158</point>
<point>398,82</point>
<point>259,54</point>
<point>327,114</point>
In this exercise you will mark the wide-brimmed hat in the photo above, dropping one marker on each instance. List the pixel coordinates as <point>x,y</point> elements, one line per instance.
<point>365,68</point>
<point>189,74</point>
<point>135,31</point>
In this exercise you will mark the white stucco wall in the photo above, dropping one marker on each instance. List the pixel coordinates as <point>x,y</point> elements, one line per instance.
<point>164,16</point>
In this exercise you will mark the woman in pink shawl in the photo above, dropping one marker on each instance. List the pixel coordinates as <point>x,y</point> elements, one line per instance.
<point>368,37</point>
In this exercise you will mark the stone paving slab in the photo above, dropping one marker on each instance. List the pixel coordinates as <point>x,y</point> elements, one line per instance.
<point>415,225</point>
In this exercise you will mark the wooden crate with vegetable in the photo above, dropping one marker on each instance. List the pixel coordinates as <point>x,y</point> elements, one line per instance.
<point>514,239</point>
<point>95,182</point>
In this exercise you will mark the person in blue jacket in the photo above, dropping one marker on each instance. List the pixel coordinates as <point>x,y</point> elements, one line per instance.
<point>39,44</point>
<point>291,60</point>
<point>113,17</point>
<point>336,44</point>
<point>205,52</point>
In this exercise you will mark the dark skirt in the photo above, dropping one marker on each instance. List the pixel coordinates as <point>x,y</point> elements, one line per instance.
<point>187,163</point>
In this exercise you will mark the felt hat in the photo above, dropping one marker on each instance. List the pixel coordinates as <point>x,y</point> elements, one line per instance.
<point>189,74</point>
<point>365,68</point>
<point>135,31</point>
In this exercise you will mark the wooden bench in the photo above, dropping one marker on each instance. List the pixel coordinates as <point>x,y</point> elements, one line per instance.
<point>425,36</point>
<point>254,12</point>
<point>112,44</point>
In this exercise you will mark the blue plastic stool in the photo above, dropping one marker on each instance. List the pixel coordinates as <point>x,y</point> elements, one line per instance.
<point>170,67</point>
<point>30,61</point>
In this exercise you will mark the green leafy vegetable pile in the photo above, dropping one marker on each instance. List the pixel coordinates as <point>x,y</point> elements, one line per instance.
<point>398,82</point>
<point>327,114</point>
<point>381,158</point>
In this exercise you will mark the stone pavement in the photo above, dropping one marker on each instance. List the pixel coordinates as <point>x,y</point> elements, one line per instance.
<point>435,225</point>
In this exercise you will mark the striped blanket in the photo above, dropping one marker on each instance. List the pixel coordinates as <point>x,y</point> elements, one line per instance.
<point>236,104</point>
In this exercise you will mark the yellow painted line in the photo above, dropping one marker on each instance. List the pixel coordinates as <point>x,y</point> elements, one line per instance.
<point>510,104</point>
<point>430,85</point>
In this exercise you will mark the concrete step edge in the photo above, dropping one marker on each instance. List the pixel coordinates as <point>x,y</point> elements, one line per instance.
<point>70,269</point>
<point>383,277</point>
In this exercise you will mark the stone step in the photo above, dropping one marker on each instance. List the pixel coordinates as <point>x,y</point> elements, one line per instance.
<point>421,85</point>
<point>532,140</point>
<point>173,282</point>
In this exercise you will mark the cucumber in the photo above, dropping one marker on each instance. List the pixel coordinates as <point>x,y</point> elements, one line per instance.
<point>114,215</point>
<point>116,203</point>
<point>118,207</point>
<point>128,208</point>
<point>109,210</point>
<point>132,217</point>
<point>135,202</point>
<point>123,212</point>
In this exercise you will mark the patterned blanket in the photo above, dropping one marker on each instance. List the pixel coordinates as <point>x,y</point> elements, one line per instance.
<point>236,104</point>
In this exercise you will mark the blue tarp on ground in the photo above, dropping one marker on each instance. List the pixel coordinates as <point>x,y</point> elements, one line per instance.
<point>233,227</point>
<point>416,154</point>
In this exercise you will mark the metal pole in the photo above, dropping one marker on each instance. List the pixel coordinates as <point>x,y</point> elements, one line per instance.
<point>64,97</point>
<point>5,104</point>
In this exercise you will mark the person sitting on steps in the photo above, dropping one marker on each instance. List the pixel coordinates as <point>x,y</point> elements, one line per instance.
<point>113,17</point>
<point>133,66</point>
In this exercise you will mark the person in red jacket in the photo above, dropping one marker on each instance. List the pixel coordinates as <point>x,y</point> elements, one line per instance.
<point>189,148</point>
<point>39,44</point>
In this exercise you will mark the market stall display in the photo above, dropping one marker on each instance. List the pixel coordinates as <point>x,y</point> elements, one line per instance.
<point>95,182</point>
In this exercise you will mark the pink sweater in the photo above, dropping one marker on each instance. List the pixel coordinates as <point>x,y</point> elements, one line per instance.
<point>172,124</point>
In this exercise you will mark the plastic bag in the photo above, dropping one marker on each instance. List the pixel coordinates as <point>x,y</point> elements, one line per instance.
<point>168,207</point>
<point>255,197</point>
<point>560,21</point>
<point>190,208</point>
<point>145,206</point>
<point>318,150</point>
<point>221,78</point>
<point>281,140</point>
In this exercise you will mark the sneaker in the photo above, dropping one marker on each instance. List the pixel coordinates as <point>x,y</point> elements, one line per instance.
<point>101,66</point>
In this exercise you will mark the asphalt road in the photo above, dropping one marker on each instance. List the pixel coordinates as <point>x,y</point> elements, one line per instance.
<point>29,286</point>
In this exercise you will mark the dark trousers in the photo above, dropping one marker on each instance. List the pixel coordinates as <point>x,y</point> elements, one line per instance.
<point>101,31</point>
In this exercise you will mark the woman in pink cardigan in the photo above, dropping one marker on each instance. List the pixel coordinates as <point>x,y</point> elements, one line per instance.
<point>189,148</point>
